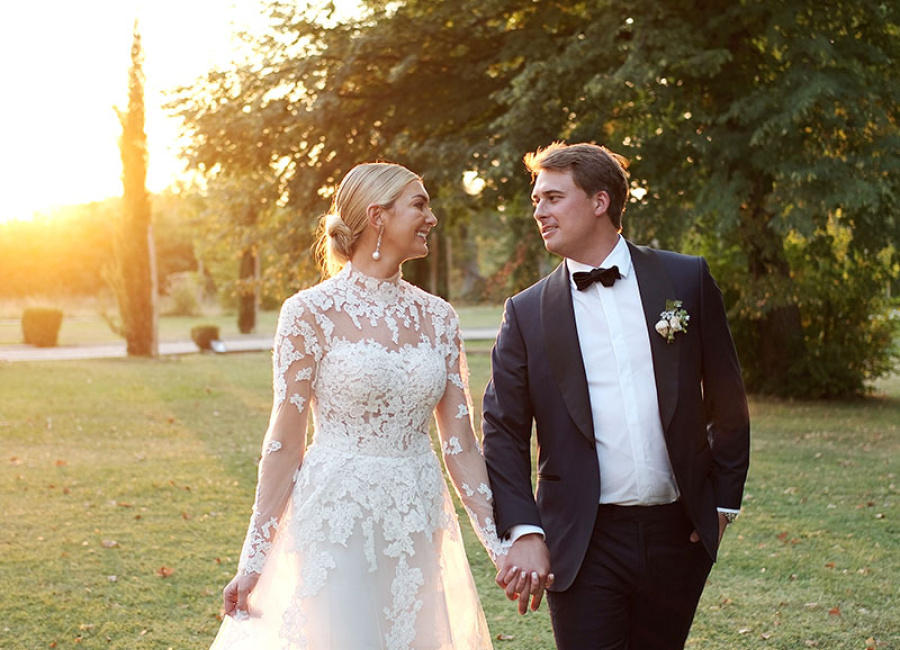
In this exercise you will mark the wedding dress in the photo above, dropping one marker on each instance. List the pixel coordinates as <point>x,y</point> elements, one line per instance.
<point>358,546</point>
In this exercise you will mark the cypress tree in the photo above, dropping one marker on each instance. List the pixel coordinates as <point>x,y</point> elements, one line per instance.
<point>134,278</point>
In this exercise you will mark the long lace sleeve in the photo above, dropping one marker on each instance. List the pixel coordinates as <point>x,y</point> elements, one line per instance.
<point>460,448</point>
<point>296,352</point>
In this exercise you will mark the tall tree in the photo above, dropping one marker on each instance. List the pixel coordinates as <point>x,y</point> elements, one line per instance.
<point>134,276</point>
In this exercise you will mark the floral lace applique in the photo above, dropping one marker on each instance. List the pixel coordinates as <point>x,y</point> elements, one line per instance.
<point>374,360</point>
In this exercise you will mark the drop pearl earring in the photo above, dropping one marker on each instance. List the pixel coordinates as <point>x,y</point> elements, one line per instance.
<point>376,254</point>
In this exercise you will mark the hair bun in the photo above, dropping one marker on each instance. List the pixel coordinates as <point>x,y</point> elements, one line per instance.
<point>334,225</point>
<point>340,235</point>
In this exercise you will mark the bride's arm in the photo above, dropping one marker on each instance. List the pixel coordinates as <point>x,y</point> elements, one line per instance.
<point>294,359</point>
<point>460,448</point>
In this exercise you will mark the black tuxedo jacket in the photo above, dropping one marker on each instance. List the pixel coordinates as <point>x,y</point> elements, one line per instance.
<point>538,379</point>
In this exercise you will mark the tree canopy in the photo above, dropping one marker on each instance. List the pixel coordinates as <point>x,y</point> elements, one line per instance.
<point>762,134</point>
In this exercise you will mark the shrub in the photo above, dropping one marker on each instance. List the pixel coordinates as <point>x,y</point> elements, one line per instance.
<point>40,326</point>
<point>182,295</point>
<point>204,335</point>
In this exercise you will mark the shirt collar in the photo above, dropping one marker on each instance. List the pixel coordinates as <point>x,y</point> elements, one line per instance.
<point>619,256</point>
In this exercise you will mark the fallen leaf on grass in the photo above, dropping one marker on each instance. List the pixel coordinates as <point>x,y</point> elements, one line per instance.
<point>62,463</point>
<point>834,611</point>
<point>165,571</point>
<point>506,637</point>
<point>110,543</point>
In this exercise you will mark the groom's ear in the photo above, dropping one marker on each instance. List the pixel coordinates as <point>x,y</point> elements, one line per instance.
<point>601,203</point>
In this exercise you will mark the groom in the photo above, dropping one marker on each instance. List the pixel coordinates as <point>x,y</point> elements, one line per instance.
<point>622,360</point>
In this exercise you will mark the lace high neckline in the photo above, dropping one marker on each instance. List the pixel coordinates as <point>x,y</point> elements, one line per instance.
<point>360,279</point>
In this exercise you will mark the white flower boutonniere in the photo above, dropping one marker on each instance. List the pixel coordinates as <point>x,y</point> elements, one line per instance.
<point>673,320</point>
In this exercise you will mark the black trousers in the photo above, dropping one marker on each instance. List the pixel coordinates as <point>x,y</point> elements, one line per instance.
<point>639,585</point>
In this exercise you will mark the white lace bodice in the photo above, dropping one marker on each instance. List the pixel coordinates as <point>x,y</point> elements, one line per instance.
<point>373,359</point>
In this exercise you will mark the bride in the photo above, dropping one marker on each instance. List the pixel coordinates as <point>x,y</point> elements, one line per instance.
<point>353,542</point>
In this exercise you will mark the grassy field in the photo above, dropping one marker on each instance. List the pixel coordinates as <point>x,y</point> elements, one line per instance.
<point>125,487</point>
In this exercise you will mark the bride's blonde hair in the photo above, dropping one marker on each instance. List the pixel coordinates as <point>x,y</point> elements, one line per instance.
<point>339,230</point>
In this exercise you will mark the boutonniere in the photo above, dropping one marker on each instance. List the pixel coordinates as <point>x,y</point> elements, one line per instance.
<point>673,320</point>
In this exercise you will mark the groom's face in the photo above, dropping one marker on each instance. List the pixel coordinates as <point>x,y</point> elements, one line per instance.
<point>569,220</point>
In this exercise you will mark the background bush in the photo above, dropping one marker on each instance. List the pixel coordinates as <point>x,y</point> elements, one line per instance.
<point>40,326</point>
<point>204,335</point>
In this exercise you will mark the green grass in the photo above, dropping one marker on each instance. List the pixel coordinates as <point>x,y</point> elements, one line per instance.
<point>87,328</point>
<point>114,469</point>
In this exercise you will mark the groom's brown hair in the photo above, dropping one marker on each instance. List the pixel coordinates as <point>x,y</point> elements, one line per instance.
<point>594,169</point>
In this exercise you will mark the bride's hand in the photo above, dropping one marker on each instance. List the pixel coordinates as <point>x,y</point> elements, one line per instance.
<point>234,597</point>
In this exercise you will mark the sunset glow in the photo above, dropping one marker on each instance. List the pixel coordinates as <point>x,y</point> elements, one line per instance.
<point>65,68</point>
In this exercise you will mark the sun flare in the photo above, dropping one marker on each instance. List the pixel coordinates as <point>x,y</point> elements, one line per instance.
<point>67,64</point>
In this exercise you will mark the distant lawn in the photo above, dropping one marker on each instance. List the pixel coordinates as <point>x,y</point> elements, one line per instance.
<point>88,328</point>
<point>125,488</point>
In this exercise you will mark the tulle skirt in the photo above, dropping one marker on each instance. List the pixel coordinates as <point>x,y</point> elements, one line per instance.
<point>369,557</point>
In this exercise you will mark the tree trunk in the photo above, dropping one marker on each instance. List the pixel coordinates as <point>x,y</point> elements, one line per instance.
<point>777,336</point>
<point>248,288</point>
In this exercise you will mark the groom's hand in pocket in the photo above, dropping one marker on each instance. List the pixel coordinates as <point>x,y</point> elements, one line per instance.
<point>526,571</point>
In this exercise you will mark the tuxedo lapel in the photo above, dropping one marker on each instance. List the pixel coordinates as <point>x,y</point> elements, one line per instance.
<point>656,287</point>
<point>563,351</point>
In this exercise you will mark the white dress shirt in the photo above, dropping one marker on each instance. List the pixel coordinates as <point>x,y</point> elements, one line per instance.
<point>615,346</point>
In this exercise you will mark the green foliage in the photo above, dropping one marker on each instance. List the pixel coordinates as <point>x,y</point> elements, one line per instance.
<point>183,295</point>
<point>63,253</point>
<point>40,326</point>
<point>745,122</point>
<point>204,335</point>
<point>57,254</point>
<point>836,286</point>
<point>849,337</point>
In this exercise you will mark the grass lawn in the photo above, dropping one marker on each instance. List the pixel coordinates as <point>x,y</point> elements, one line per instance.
<point>125,488</point>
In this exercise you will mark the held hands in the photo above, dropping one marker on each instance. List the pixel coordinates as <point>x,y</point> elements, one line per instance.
<point>235,594</point>
<point>526,571</point>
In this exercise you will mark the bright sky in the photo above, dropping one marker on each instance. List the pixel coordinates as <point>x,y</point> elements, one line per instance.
<point>64,66</point>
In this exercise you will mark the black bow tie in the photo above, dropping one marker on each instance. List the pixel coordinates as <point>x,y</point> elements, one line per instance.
<point>606,277</point>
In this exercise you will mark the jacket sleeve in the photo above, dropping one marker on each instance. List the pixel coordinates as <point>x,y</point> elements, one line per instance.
<point>724,398</point>
<point>507,426</point>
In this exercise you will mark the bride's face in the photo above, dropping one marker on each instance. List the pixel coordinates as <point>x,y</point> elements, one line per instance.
<point>408,223</point>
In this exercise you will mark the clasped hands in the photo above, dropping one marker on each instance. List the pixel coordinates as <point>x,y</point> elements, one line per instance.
<point>525,571</point>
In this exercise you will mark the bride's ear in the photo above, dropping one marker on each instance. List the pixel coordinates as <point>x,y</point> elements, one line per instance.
<point>375,216</point>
